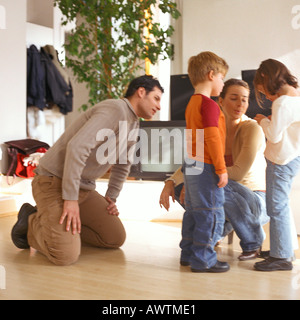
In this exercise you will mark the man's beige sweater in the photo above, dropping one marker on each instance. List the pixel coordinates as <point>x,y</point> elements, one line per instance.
<point>80,155</point>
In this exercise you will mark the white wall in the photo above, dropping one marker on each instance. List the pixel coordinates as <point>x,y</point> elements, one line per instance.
<point>243,32</point>
<point>13,71</point>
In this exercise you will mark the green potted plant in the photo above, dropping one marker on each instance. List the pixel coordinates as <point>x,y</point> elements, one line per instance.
<point>112,40</point>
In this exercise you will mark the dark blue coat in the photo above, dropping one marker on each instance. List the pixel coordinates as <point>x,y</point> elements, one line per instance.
<point>36,95</point>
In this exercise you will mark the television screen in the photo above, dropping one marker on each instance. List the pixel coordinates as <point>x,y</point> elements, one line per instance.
<point>159,150</point>
<point>181,91</point>
<point>254,108</point>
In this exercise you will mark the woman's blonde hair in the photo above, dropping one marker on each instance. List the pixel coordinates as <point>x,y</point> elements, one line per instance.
<point>200,65</point>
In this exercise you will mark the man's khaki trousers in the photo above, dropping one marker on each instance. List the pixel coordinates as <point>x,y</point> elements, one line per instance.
<point>46,235</point>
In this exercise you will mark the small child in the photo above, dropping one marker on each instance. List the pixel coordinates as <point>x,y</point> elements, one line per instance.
<point>205,172</point>
<point>282,131</point>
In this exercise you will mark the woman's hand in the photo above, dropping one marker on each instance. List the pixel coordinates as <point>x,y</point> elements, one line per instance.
<point>167,192</point>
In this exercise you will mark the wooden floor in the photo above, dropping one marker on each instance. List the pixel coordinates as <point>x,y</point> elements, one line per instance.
<point>147,267</point>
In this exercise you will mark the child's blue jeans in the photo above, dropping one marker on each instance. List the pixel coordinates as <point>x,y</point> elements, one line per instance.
<point>203,221</point>
<point>283,236</point>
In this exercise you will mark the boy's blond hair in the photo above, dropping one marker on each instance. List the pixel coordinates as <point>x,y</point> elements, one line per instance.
<point>200,65</point>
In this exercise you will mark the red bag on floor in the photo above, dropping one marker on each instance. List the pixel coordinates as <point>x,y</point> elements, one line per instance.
<point>24,168</point>
<point>21,170</point>
<point>17,151</point>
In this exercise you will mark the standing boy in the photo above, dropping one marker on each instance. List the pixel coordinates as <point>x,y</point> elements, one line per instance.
<point>205,170</point>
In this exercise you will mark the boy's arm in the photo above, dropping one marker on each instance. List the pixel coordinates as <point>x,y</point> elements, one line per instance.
<point>212,136</point>
<point>213,143</point>
<point>223,180</point>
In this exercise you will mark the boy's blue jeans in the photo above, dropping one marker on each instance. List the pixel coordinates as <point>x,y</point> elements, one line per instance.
<point>246,211</point>
<point>203,221</point>
<point>283,237</point>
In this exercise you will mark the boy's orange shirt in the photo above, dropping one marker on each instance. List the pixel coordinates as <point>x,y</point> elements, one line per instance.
<point>204,113</point>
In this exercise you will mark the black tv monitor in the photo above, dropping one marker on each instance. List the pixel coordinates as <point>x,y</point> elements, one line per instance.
<point>254,108</point>
<point>181,91</point>
<point>159,150</point>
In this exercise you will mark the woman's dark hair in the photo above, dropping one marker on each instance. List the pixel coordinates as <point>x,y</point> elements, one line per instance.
<point>233,82</point>
<point>148,82</point>
<point>272,75</point>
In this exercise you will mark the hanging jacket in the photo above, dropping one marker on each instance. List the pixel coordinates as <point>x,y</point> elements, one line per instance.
<point>35,79</point>
<point>58,92</point>
<point>52,52</point>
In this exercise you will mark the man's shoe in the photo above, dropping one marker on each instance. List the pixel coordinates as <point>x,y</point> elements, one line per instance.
<point>217,268</point>
<point>19,230</point>
<point>249,255</point>
<point>274,264</point>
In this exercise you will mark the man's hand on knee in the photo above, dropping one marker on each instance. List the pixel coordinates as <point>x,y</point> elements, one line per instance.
<point>112,207</point>
<point>71,212</point>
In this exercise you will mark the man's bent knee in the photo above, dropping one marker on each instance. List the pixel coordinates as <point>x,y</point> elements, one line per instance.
<point>64,256</point>
<point>115,241</point>
<point>120,239</point>
<point>64,259</point>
